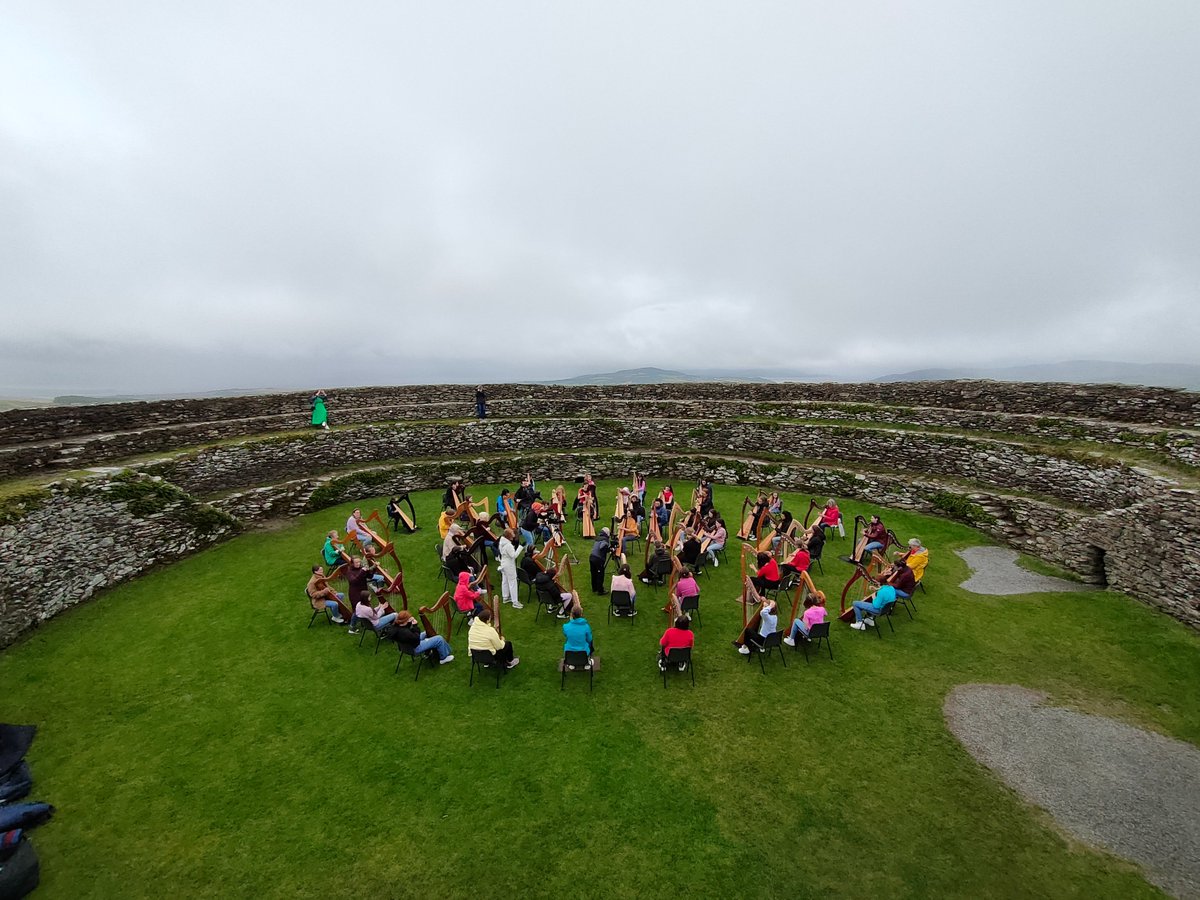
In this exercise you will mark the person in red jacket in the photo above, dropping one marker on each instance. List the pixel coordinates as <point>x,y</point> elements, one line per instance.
<point>678,635</point>
<point>466,598</point>
<point>767,577</point>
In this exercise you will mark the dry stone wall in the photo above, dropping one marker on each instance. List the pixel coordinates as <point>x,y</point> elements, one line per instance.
<point>82,537</point>
<point>1108,521</point>
<point>66,443</point>
<point>1095,484</point>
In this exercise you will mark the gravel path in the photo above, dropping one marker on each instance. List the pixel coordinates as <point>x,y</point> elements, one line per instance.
<point>994,570</point>
<point>1128,791</point>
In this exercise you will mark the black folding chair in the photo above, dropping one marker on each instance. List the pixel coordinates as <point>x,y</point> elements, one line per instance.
<point>678,656</point>
<point>816,634</point>
<point>484,659</point>
<point>427,656</point>
<point>524,578</point>
<point>576,661</point>
<point>364,628</point>
<point>816,557</point>
<point>317,611</point>
<point>770,643</point>
<point>690,605</point>
<point>548,598</point>
<point>620,604</point>
<point>884,613</point>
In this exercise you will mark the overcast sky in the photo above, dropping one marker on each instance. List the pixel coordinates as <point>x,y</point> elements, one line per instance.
<point>209,195</point>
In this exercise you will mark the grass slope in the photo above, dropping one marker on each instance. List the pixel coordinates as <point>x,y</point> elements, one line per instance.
<point>199,741</point>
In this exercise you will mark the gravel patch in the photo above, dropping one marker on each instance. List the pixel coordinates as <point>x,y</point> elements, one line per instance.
<point>994,570</point>
<point>1131,792</point>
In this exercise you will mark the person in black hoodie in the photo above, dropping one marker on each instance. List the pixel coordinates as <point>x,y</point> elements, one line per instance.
<point>408,635</point>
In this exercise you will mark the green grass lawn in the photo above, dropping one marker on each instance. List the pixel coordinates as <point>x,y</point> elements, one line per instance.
<point>198,740</point>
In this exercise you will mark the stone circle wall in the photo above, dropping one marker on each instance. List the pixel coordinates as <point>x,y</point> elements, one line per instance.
<point>1008,459</point>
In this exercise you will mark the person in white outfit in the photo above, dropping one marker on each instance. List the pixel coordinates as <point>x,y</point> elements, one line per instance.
<point>510,550</point>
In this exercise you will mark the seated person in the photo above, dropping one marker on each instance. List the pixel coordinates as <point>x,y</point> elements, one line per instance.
<point>466,598</point>
<point>408,635</point>
<point>578,634</point>
<point>545,584</point>
<point>798,562</point>
<point>831,517</point>
<point>530,566</point>
<point>445,520</point>
<point>875,537</point>
<point>814,614</point>
<point>332,552</point>
<point>460,560</point>
<point>768,575</point>
<point>767,621</point>
<point>678,635</point>
<point>623,581</point>
<point>786,523</point>
<point>483,636</point>
<point>325,597</point>
<point>690,551</point>
<point>815,542</point>
<point>372,615</point>
<point>717,536</point>
<point>900,576</point>
<point>657,566</point>
<point>454,538</point>
<point>917,558</point>
<point>686,586</point>
<point>393,513</point>
<point>774,503</point>
<point>866,610</point>
<point>356,526</point>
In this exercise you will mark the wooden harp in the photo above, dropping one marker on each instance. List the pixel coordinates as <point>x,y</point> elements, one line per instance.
<point>445,606</point>
<point>408,520</point>
<point>748,620</point>
<point>812,505</point>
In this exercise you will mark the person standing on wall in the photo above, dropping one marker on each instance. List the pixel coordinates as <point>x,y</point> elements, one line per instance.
<point>320,417</point>
<point>480,402</point>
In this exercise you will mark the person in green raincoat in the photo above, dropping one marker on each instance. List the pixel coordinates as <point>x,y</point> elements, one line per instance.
<point>319,415</point>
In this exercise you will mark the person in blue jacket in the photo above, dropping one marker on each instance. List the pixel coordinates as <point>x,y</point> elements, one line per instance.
<point>865,611</point>
<point>578,633</point>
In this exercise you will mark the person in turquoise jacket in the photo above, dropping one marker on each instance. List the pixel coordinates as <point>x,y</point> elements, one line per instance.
<point>578,633</point>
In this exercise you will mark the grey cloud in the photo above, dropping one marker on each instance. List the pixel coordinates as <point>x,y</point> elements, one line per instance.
<point>364,192</point>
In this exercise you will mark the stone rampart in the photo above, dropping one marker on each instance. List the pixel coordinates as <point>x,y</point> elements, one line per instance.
<point>239,461</point>
<point>1093,484</point>
<point>82,537</point>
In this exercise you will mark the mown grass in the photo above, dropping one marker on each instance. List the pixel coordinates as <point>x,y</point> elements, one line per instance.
<point>199,741</point>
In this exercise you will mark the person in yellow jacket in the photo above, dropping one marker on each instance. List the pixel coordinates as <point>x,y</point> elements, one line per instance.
<point>917,558</point>
<point>483,636</point>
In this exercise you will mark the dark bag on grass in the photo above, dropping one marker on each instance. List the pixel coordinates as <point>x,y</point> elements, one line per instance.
<point>15,783</point>
<point>19,871</point>
<point>14,744</point>
<point>24,815</point>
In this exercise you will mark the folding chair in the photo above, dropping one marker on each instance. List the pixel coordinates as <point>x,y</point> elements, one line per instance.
<point>483,659</point>
<point>770,643</point>
<point>675,658</point>
<point>816,558</point>
<point>427,656</point>
<point>317,612</point>
<point>691,605</point>
<point>817,634</point>
<point>885,612</point>
<point>578,661</point>
<point>620,604</point>
<point>369,628</point>
<point>548,599</point>
<point>524,578</point>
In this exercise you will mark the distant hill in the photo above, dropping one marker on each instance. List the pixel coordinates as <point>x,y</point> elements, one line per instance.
<point>1079,371</point>
<point>651,375</point>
